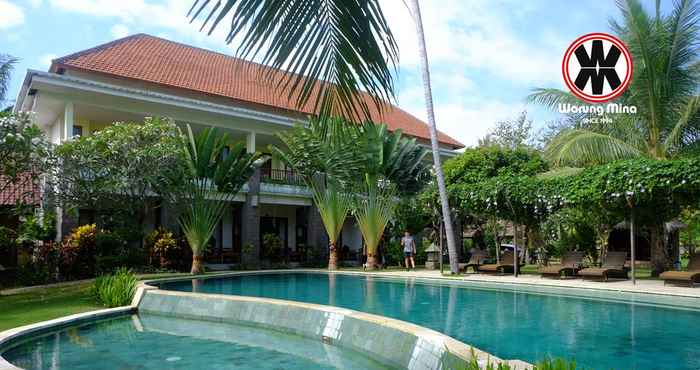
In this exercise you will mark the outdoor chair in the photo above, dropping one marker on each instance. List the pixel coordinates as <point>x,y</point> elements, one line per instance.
<point>570,264</point>
<point>613,266</point>
<point>505,265</point>
<point>691,276</point>
<point>477,259</point>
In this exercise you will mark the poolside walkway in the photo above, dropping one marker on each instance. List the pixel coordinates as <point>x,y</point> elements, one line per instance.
<point>642,286</point>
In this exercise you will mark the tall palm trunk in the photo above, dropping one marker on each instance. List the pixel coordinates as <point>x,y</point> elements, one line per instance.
<point>451,246</point>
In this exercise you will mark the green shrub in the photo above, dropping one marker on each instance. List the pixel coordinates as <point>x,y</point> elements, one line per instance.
<point>78,251</point>
<point>546,364</point>
<point>116,289</point>
<point>165,251</point>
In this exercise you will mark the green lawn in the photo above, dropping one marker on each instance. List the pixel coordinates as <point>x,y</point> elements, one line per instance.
<point>49,303</point>
<point>45,304</point>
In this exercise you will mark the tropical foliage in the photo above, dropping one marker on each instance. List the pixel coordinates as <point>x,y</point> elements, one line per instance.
<point>331,153</point>
<point>333,50</point>
<point>664,90</point>
<point>25,153</point>
<point>120,168</point>
<point>212,178</point>
<point>374,208</point>
<point>7,64</point>
<point>116,289</point>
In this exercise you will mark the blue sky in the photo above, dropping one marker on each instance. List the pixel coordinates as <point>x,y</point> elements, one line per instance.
<point>486,55</point>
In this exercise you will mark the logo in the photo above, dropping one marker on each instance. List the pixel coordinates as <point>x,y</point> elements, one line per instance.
<point>597,67</point>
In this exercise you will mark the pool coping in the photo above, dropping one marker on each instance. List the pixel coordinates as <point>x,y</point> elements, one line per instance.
<point>453,346</point>
<point>16,333</point>
<point>621,294</point>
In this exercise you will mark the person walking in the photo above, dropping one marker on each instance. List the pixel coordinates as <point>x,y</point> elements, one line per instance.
<point>409,250</point>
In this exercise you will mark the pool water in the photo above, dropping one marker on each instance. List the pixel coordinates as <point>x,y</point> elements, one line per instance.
<point>158,342</point>
<point>509,324</point>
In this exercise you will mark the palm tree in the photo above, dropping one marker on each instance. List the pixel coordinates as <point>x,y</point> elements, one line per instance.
<point>664,90</point>
<point>213,177</point>
<point>347,44</point>
<point>323,154</point>
<point>7,63</point>
<point>374,208</point>
<point>432,126</point>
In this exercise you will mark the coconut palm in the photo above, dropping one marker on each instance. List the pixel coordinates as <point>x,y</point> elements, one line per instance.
<point>345,43</point>
<point>7,63</point>
<point>213,176</point>
<point>664,90</point>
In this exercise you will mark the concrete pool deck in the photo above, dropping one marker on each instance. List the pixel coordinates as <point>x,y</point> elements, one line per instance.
<point>642,286</point>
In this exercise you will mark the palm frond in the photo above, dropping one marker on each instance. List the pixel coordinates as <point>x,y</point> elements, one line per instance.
<point>582,147</point>
<point>689,121</point>
<point>373,211</point>
<point>551,98</point>
<point>333,49</point>
<point>7,64</point>
<point>333,206</point>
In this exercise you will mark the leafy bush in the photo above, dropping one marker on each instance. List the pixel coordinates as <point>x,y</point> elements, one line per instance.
<point>272,247</point>
<point>546,364</point>
<point>167,252</point>
<point>42,266</point>
<point>116,289</point>
<point>35,228</point>
<point>78,251</point>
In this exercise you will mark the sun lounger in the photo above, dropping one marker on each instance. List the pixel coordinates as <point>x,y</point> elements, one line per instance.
<point>504,266</point>
<point>613,266</point>
<point>476,260</point>
<point>570,264</point>
<point>691,276</point>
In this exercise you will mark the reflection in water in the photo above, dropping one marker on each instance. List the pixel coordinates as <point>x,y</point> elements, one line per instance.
<point>507,323</point>
<point>159,342</point>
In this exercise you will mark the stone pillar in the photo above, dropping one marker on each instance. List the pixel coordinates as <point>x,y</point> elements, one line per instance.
<point>68,121</point>
<point>317,237</point>
<point>250,223</point>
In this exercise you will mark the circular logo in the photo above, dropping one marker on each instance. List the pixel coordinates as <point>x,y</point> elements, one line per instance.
<point>597,67</point>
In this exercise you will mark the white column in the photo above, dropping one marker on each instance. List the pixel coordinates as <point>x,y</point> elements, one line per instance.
<point>250,142</point>
<point>68,119</point>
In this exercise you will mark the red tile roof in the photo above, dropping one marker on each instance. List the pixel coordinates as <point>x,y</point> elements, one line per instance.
<point>24,190</point>
<point>151,59</point>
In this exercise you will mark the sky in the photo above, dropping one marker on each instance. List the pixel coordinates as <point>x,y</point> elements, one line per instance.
<point>485,56</point>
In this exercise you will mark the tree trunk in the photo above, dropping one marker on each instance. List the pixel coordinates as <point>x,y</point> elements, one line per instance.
<point>371,261</point>
<point>197,265</point>
<point>332,258</point>
<point>451,246</point>
<point>660,260</point>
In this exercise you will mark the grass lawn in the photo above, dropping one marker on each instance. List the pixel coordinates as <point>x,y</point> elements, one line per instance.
<point>49,303</point>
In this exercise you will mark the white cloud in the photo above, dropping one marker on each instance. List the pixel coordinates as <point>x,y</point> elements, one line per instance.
<point>119,31</point>
<point>46,59</point>
<point>35,3</point>
<point>10,15</point>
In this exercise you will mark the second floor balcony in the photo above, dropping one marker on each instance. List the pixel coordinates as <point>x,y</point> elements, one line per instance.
<point>278,176</point>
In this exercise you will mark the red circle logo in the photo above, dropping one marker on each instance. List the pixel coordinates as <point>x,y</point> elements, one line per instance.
<point>597,67</point>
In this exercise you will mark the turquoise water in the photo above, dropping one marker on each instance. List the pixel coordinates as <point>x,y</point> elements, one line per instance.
<point>155,342</point>
<point>509,324</point>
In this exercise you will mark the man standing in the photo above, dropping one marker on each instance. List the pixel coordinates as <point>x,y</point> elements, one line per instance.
<point>409,250</point>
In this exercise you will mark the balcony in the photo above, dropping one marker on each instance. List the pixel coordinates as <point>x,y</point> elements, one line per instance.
<point>283,177</point>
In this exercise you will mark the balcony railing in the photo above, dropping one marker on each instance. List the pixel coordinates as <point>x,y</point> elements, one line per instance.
<point>287,177</point>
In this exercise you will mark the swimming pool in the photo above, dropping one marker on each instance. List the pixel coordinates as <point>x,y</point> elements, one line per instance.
<point>509,324</point>
<point>157,342</point>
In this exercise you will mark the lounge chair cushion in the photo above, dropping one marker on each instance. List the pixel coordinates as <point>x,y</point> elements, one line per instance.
<point>552,269</point>
<point>489,267</point>
<point>597,271</point>
<point>681,275</point>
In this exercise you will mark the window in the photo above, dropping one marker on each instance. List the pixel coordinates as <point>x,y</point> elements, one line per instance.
<point>77,130</point>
